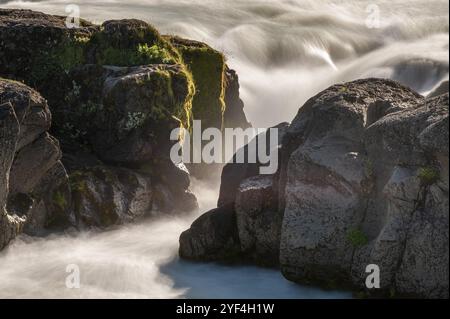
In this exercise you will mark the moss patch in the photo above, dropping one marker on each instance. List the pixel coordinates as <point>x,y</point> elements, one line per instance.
<point>428,175</point>
<point>130,43</point>
<point>59,199</point>
<point>208,73</point>
<point>357,238</point>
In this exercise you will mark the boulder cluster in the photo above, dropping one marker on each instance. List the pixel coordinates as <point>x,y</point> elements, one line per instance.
<point>363,180</point>
<point>86,115</point>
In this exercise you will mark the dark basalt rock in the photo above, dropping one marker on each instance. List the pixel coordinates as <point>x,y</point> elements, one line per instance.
<point>212,237</point>
<point>234,173</point>
<point>363,180</point>
<point>35,171</point>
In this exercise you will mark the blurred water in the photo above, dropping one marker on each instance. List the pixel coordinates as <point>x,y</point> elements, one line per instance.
<point>285,51</point>
<point>136,261</point>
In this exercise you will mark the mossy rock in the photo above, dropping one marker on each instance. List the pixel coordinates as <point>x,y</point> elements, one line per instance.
<point>208,71</point>
<point>129,43</point>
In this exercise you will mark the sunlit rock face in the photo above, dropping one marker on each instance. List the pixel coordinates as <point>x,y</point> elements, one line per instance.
<point>363,180</point>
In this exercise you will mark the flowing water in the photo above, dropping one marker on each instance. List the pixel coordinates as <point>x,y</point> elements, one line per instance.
<point>285,51</point>
<point>135,261</point>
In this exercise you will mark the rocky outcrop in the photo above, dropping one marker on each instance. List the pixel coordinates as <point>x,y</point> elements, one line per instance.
<point>234,115</point>
<point>363,180</point>
<point>115,93</point>
<point>442,88</point>
<point>35,175</point>
<point>258,220</point>
<point>212,237</point>
<point>10,225</point>
<point>107,196</point>
<point>252,200</point>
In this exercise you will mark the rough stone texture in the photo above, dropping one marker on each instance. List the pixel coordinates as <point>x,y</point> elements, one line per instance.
<point>126,114</point>
<point>234,173</point>
<point>107,196</point>
<point>234,115</point>
<point>363,180</point>
<point>258,220</point>
<point>212,237</point>
<point>10,225</point>
<point>38,183</point>
<point>31,110</point>
<point>357,191</point>
<point>441,89</point>
<point>32,163</point>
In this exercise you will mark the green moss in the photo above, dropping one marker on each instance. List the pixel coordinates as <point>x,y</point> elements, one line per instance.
<point>428,175</point>
<point>60,200</point>
<point>139,46</point>
<point>52,64</point>
<point>369,168</point>
<point>76,182</point>
<point>357,238</point>
<point>207,67</point>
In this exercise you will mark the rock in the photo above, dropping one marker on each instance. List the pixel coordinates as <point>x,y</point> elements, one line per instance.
<point>51,210</point>
<point>442,88</point>
<point>31,110</point>
<point>32,163</point>
<point>234,115</point>
<point>207,67</point>
<point>143,106</point>
<point>10,225</point>
<point>172,192</point>
<point>234,173</point>
<point>37,183</point>
<point>39,49</point>
<point>258,220</point>
<point>107,196</point>
<point>212,237</point>
<point>129,42</point>
<point>359,182</point>
<point>363,180</point>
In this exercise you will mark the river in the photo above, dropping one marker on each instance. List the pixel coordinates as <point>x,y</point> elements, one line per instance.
<point>285,51</point>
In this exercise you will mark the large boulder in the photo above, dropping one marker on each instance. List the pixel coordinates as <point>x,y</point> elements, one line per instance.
<point>108,196</point>
<point>258,220</point>
<point>10,225</point>
<point>235,172</point>
<point>361,184</point>
<point>233,115</point>
<point>38,187</point>
<point>212,237</point>
<point>363,180</point>
<point>329,177</point>
<point>29,192</point>
<point>126,114</point>
<point>442,88</point>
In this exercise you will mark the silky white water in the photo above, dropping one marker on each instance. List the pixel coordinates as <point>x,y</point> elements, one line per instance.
<point>135,261</point>
<point>284,51</point>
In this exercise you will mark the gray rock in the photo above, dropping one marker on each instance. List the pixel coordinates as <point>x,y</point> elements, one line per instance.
<point>32,163</point>
<point>258,220</point>
<point>10,225</point>
<point>107,196</point>
<point>363,180</point>
<point>441,89</point>
<point>234,173</point>
<point>31,110</point>
<point>234,115</point>
<point>35,184</point>
<point>212,237</point>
